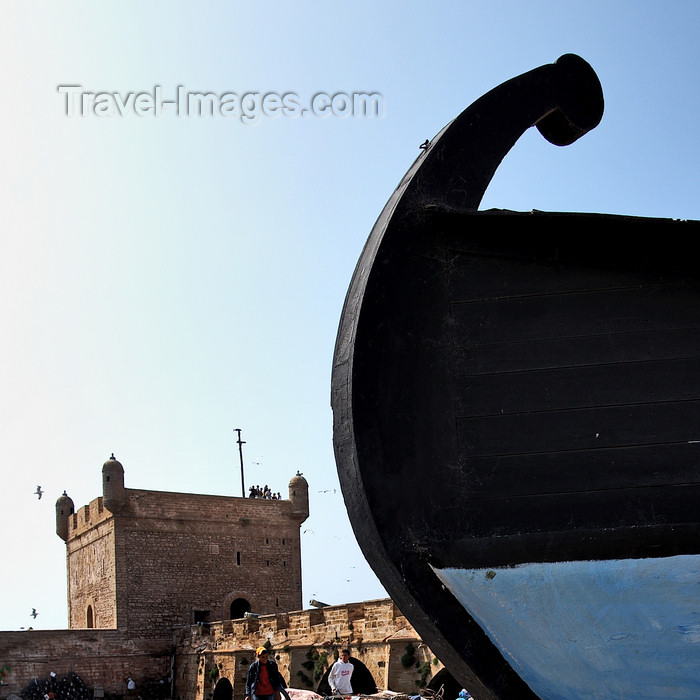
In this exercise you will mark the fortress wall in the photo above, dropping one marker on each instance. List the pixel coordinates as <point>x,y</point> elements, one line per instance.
<point>92,575</point>
<point>102,658</point>
<point>173,573</point>
<point>375,632</point>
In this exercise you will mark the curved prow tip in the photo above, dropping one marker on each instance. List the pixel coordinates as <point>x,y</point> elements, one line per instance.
<point>563,99</point>
<point>581,102</point>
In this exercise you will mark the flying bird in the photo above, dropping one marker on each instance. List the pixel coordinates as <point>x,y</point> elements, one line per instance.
<point>34,613</point>
<point>38,491</point>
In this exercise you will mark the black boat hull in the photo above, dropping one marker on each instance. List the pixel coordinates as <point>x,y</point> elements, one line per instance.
<point>513,390</point>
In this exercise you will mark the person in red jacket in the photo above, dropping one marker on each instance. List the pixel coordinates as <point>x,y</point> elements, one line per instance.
<point>264,680</point>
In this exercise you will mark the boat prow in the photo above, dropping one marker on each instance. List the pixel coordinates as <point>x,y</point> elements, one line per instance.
<point>516,402</point>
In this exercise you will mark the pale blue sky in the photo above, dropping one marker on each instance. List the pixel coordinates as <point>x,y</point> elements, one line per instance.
<point>166,280</point>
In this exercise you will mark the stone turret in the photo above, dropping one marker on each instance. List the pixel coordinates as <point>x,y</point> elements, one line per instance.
<point>113,491</point>
<point>299,497</point>
<point>64,509</point>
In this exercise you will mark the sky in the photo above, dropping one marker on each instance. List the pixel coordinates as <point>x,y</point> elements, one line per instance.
<point>166,278</point>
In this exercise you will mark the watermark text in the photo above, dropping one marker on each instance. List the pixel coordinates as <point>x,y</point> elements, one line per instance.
<point>248,107</point>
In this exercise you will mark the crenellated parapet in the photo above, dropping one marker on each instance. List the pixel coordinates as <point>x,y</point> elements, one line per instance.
<point>87,517</point>
<point>376,632</point>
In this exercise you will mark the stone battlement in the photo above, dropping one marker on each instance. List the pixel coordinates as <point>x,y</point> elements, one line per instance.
<point>375,631</point>
<point>208,657</point>
<point>168,506</point>
<point>87,517</point>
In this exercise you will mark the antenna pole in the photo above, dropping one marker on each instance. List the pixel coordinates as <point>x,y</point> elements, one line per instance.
<point>240,452</point>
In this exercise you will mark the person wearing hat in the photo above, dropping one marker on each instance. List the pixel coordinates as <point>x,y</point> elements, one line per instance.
<point>264,681</point>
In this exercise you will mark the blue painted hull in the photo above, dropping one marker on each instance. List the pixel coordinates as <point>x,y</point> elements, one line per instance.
<point>592,629</point>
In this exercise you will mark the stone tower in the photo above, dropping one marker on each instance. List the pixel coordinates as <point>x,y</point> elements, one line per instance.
<point>149,561</point>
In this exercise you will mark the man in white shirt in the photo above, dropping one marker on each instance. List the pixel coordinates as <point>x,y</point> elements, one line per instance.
<point>339,677</point>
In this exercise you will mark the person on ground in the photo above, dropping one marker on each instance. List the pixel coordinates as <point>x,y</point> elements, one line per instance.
<point>341,672</point>
<point>264,681</point>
